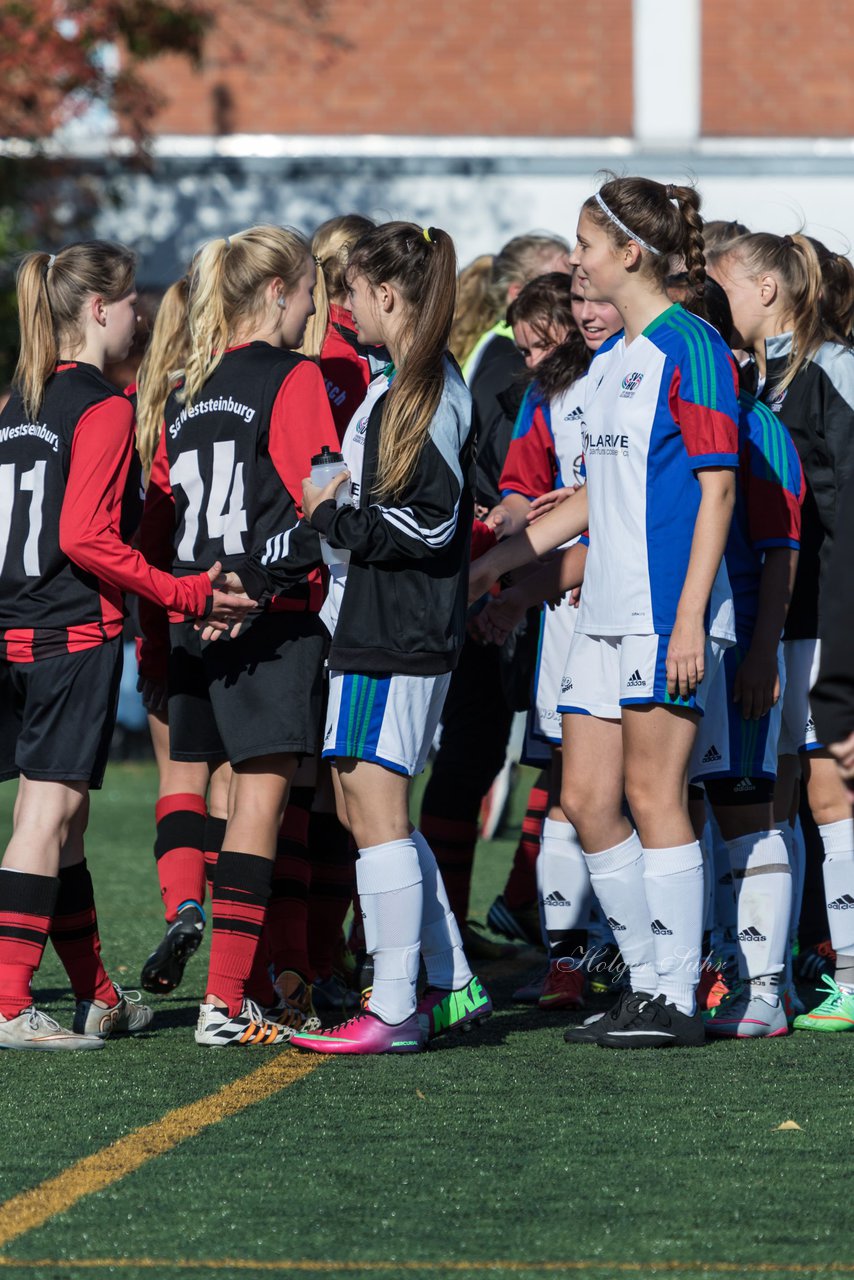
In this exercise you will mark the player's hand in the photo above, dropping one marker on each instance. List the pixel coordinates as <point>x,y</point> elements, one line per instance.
<point>843,754</point>
<point>686,657</point>
<point>548,501</point>
<point>312,496</point>
<point>757,685</point>
<point>481,576</point>
<point>496,520</point>
<point>153,694</point>
<point>500,617</point>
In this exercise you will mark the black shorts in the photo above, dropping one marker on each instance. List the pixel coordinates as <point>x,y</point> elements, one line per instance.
<point>57,715</point>
<point>258,695</point>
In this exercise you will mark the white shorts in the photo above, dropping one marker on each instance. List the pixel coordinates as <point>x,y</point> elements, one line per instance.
<point>727,745</point>
<point>603,674</point>
<point>544,719</point>
<point>801,659</point>
<point>390,720</point>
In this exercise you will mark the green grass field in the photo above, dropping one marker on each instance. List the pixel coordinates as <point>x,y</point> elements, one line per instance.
<point>506,1153</point>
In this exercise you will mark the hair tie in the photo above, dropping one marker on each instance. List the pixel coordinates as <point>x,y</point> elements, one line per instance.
<point>227,242</point>
<point>669,192</point>
<point>51,260</point>
<point>625,230</point>
<point>787,243</point>
<point>318,262</point>
<point>427,236</point>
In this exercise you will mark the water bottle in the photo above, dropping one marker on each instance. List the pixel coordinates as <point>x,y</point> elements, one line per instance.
<point>325,466</point>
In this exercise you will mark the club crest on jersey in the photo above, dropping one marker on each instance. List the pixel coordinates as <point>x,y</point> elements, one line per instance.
<point>361,426</point>
<point>631,382</point>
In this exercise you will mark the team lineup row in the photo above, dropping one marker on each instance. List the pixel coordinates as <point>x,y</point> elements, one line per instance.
<point>644,439</point>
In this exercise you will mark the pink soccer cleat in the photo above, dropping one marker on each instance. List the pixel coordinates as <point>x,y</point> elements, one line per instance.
<point>365,1033</point>
<point>440,1011</point>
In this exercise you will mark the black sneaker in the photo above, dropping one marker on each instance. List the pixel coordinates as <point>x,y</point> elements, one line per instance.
<point>656,1024</point>
<point>164,968</point>
<point>592,1030</point>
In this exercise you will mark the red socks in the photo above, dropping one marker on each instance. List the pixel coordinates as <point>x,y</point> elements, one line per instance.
<point>521,887</point>
<point>453,841</point>
<point>289,890</point>
<point>26,907</point>
<point>241,890</point>
<point>179,850</point>
<point>74,934</point>
<point>332,856</point>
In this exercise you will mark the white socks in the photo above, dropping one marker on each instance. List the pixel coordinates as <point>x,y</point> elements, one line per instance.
<point>617,877</point>
<point>838,841</point>
<point>676,897</point>
<point>388,878</point>
<point>565,890</point>
<point>763,887</point>
<point>441,943</point>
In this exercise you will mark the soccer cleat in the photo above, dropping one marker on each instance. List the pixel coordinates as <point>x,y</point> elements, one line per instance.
<point>478,947</point>
<point>128,1016</point>
<point>365,1033</point>
<point>34,1030</point>
<point>519,924</point>
<point>294,1010</point>
<point>608,975</point>
<point>835,1013</point>
<point>164,968</point>
<point>529,992</point>
<point>440,1011</point>
<point>716,980</point>
<point>217,1028</point>
<point>563,987</point>
<point>332,995</point>
<point>622,1012</point>
<point>655,1024</point>
<point>743,1016</point>
<point>812,963</point>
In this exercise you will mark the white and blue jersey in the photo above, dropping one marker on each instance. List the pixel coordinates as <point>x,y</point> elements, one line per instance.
<point>656,411</point>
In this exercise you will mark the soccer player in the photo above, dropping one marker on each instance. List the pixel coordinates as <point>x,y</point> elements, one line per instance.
<point>239,434</point>
<point>396,610</point>
<point>661,447</point>
<point>806,374</point>
<point>66,439</point>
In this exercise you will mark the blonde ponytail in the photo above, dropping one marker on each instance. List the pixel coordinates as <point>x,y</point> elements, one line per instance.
<point>163,360</point>
<point>330,247</point>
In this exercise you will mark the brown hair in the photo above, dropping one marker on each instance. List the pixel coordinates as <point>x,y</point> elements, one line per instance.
<point>163,361</point>
<point>672,230</point>
<point>422,265</point>
<point>329,246</point>
<point>51,293</point>
<point>226,291</point>
<point>837,290</point>
<point>794,263</point>
<point>473,312</point>
<point>718,233</point>
<point>520,260</point>
<point>545,304</point>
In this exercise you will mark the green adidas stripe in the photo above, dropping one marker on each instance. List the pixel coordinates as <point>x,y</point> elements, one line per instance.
<point>702,357</point>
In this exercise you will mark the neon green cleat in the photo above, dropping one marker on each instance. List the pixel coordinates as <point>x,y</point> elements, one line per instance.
<point>835,1013</point>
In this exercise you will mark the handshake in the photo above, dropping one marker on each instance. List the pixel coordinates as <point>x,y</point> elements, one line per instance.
<point>230,607</point>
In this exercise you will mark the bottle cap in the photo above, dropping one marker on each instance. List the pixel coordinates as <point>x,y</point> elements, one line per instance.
<point>326,455</point>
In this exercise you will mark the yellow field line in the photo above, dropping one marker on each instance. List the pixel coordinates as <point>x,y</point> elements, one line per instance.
<point>316,1265</point>
<point>32,1208</point>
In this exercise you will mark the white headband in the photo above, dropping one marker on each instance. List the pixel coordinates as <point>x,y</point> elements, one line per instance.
<point>625,230</point>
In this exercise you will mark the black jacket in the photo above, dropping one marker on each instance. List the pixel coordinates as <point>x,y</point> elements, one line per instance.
<point>499,368</point>
<point>832,698</point>
<point>818,409</point>
<point>404,605</point>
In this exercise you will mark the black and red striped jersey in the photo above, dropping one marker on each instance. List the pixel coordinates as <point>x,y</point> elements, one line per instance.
<point>228,470</point>
<point>63,564</point>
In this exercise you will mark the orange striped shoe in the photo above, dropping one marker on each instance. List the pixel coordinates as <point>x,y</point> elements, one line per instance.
<point>217,1028</point>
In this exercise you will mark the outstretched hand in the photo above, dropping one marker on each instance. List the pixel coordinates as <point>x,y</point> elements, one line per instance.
<point>230,605</point>
<point>499,617</point>
<point>312,496</point>
<point>548,501</point>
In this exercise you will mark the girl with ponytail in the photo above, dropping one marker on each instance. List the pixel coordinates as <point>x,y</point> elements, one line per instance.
<point>786,311</point>
<point>396,610</point>
<point>66,439</point>
<point>660,441</point>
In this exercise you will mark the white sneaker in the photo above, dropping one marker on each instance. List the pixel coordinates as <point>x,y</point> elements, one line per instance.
<point>32,1029</point>
<point>128,1017</point>
<point>217,1028</point>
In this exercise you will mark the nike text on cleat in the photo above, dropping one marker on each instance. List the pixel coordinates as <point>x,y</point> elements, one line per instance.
<point>33,1030</point>
<point>661,930</point>
<point>844,903</point>
<point>365,1034</point>
<point>128,1016</point>
<point>218,1029</point>
<point>622,1012</point>
<point>439,1011</point>
<point>741,1015</point>
<point>835,1013</point>
<point>164,968</point>
<point>751,934</point>
<point>563,987</point>
<point>656,1024</point>
<point>712,756</point>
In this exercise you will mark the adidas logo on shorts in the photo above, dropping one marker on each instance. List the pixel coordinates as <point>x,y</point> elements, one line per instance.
<point>742,787</point>
<point>616,927</point>
<point>661,930</point>
<point>565,684</point>
<point>636,681</point>
<point>712,755</point>
<point>751,934</point>
<point>810,728</point>
<point>845,903</point>
<point>556,899</point>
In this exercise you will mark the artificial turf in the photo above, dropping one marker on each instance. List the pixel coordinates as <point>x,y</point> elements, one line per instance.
<point>507,1146</point>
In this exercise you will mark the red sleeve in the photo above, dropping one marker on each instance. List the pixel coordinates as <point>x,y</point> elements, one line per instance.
<point>89,524</point>
<point>710,433</point>
<point>773,511</point>
<point>483,539</point>
<point>300,425</point>
<point>530,468</point>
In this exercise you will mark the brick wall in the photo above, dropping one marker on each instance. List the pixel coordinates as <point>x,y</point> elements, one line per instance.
<point>780,70</point>
<point>529,67</point>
